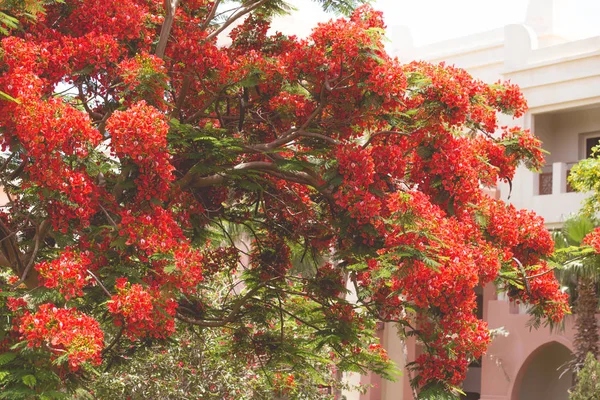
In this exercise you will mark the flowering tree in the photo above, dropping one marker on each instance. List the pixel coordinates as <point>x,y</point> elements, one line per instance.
<point>156,180</point>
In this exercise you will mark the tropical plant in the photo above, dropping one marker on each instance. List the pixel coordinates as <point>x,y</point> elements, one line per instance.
<point>580,272</point>
<point>134,146</point>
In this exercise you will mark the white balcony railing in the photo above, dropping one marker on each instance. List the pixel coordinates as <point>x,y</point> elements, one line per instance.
<point>553,179</point>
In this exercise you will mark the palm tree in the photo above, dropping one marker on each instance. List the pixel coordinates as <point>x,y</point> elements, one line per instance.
<point>580,272</point>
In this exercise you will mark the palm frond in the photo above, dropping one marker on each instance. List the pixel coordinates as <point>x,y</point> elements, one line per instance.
<point>577,228</point>
<point>572,260</point>
<point>340,7</point>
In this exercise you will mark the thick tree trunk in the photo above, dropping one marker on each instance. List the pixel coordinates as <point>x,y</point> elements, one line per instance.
<point>586,335</point>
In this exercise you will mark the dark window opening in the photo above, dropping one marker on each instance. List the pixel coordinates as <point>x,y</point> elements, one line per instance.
<point>479,300</point>
<point>545,183</point>
<point>590,143</point>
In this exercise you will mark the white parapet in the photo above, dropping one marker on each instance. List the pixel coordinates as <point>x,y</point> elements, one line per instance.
<point>559,177</point>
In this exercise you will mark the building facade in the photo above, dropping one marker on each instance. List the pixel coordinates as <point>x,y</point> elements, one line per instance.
<point>560,79</point>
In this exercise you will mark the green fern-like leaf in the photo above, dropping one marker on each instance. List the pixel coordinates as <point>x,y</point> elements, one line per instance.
<point>5,358</point>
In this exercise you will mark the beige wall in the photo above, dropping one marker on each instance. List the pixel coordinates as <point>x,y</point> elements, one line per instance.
<point>561,132</point>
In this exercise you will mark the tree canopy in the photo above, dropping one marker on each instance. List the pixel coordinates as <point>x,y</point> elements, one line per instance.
<point>155,180</point>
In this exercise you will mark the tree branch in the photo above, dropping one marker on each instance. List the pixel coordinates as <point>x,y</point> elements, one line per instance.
<point>229,318</point>
<point>185,86</point>
<point>84,102</point>
<point>5,165</point>
<point>192,181</point>
<point>11,251</point>
<point>373,136</point>
<point>112,221</point>
<point>114,341</point>
<point>40,236</point>
<point>165,30</point>
<point>99,283</point>
<point>201,110</point>
<point>235,17</point>
<point>293,133</point>
<point>210,15</point>
<point>19,170</point>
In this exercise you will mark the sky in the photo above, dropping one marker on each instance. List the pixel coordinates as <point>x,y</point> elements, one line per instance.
<point>432,21</point>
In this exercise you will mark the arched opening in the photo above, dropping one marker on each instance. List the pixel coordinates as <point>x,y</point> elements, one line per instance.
<point>543,376</point>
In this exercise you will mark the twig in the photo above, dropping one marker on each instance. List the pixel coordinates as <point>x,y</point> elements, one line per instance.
<point>41,233</point>
<point>201,110</point>
<point>114,341</point>
<point>373,136</point>
<point>112,222</point>
<point>235,17</point>
<point>8,237</point>
<point>229,318</point>
<point>524,275</point>
<point>99,283</point>
<point>7,162</point>
<point>210,15</point>
<point>282,324</point>
<point>541,274</point>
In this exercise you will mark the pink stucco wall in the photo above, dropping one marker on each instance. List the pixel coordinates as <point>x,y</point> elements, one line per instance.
<point>506,372</point>
<point>508,357</point>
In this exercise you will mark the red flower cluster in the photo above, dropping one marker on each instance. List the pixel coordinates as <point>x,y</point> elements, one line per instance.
<point>143,313</point>
<point>152,231</point>
<point>124,19</point>
<point>544,291</point>
<point>593,239</point>
<point>508,98</point>
<point>140,135</point>
<point>64,331</point>
<point>448,358</point>
<point>68,273</point>
<point>189,266</point>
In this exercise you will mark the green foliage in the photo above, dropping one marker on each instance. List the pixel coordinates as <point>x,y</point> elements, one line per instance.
<point>585,177</point>
<point>206,363</point>
<point>22,377</point>
<point>7,23</point>
<point>571,259</point>
<point>11,11</point>
<point>282,7</point>
<point>588,381</point>
<point>343,7</point>
<point>577,228</point>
